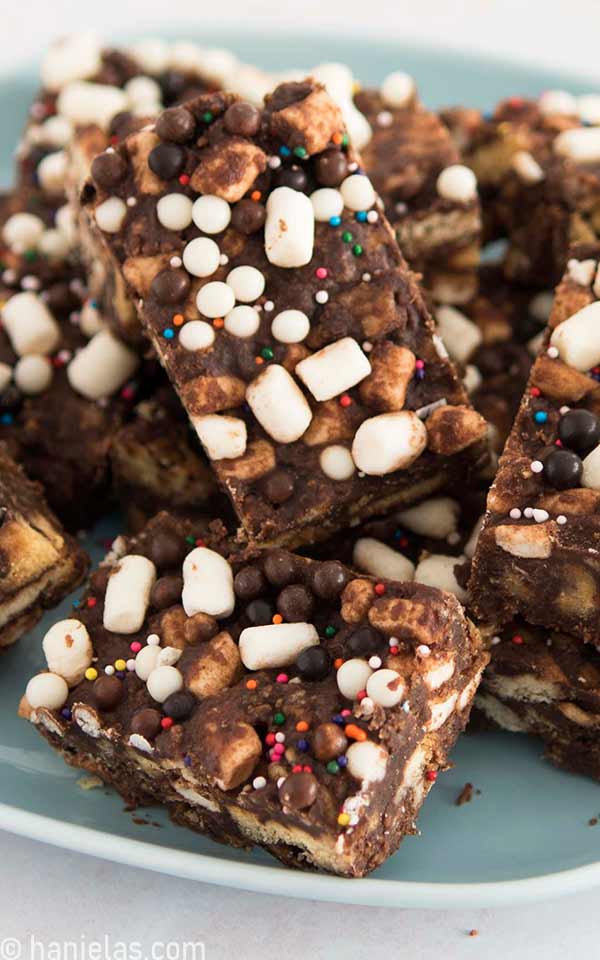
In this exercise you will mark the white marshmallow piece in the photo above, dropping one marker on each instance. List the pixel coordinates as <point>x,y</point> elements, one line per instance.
<point>581,272</point>
<point>207,584</point>
<point>577,339</point>
<point>581,144</point>
<point>334,369</point>
<point>146,661</point>
<point>460,335</point>
<point>588,108</point>
<point>289,228</point>
<point>47,690</point>
<point>457,183</point>
<point>91,103</point>
<point>275,644</point>
<point>591,470</point>
<point>357,192</point>
<point>290,326</point>
<point>247,283</point>
<point>52,172</point>
<point>223,438</point>
<point>68,650</point>
<point>33,374</point>
<point>398,89</point>
<point>145,95</point>
<point>90,319</point>
<point>242,322</point>
<point>196,335</point>
<point>71,58</point>
<point>29,324</point>
<point>174,211</point>
<point>152,54</point>
<point>386,688</point>
<point>211,214</point>
<point>339,82</point>
<point>164,681</point>
<point>388,442</point>
<point>54,244</point>
<point>102,366</point>
<point>471,544</point>
<point>438,571</point>
<point>367,761</point>
<point>56,131</point>
<point>557,101</point>
<point>526,167</point>
<point>327,203</point>
<point>110,214</point>
<point>352,677</point>
<point>375,557</point>
<point>128,594</point>
<point>215,299</point>
<point>22,232</point>
<point>278,404</point>
<point>201,257</point>
<point>436,518</point>
<point>336,462</point>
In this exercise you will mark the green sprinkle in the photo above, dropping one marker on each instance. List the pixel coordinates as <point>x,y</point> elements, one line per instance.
<point>266,353</point>
<point>279,718</point>
<point>300,152</point>
<point>345,140</point>
<point>333,767</point>
<point>208,117</point>
<point>30,255</point>
<point>330,631</point>
<point>347,236</point>
<point>191,540</point>
<point>357,249</point>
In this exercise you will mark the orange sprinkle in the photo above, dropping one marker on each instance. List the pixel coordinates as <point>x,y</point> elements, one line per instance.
<point>337,138</point>
<point>251,684</point>
<point>301,726</point>
<point>218,322</point>
<point>258,360</point>
<point>178,319</point>
<point>277,618</point>
<point>354,733</point>
<point>255,195</point>
<point>337,663</point>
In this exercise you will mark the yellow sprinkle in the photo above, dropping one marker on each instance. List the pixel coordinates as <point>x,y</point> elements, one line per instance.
<point>91,673</point>
<point>343,819</point>
<point>120,665</point>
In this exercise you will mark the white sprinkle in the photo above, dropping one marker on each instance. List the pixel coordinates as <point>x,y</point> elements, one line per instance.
<point>153,640</point>
<point>280,780</point>
<point>131,665</point>
<point>366,277</point>
<point>496,641</point>
<point>280,737</point>
<point>175,262</point>
<point>372,216</point>
<point>515,514</point>
<point>406,706</point>
<point>528,513</point>
<point>564,410</point>
<point>375,663</point>
<point>561,519</point>
<point>367,706</point>
<point>552,352</point>
<point>537,466</point>
<point>423,650</point>
<point>384,119</point>
<point>30,283</point>
<point>274,163</point>
<point>540,516</point>
<point>400,208</point>
<point>259,782</point>
<point>109,670</point>
<point>223,259</point>
<point>268,306</point>
<point>131,201</point>
<point>367,346</point>
<point>393,641</point>
<point>321,296</point>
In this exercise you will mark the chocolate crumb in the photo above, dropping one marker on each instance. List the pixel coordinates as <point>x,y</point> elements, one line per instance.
<point>465,795</point>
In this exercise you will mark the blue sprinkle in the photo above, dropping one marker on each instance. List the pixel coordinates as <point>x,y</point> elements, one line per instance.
<point>361,216</point>
<point>285,151</point>
<point>420,374</point>
<point>66,713</point>
<point>540,417</point>
<point>338,718</point>
<point>187,761</point>
<point>120,674</point>
<point>335,221</point>
<point>76,603</point>
<point>302,745</point>
<point>398,534</point>
<point>168,333</point>
<point>342,761</point>
<point>7,418</point>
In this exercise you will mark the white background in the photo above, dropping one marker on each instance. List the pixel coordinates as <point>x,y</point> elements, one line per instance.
<point>57,896</point>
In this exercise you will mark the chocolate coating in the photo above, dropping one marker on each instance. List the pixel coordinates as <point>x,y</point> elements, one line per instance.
<point>179,706</point>
<point>295,603</point>
<point>176,124</point>
<point>167,550</point>
<point>108,169</point>
<point>248,216</point>
<point>293,177</point>
<point>170,286</point>
<point>364,642</point>
<point>299,790</point>
<point>259,613</point>
<point>249,582</point>
<point>329,579</point>
<point>108,692</point>
<point>146,723</point>
<point>331,168</point>
<point>313,664</point>
<point>278,486</point>
<point>329,741</point>
<point>280,568</point>
<point>563,469</point>
<point>579,430</point>
<point>243,119</point>
<point>166,160</point>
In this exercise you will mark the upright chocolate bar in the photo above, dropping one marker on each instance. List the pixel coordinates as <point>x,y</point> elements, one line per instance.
<point>283,312</point>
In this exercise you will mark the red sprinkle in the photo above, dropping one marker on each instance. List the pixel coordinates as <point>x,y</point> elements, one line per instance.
<point>92,602</point>
<point>535,392</point>
<point>419,364</point>
<point>167,722</point>
<point>345,400</point>
<point>282,678</point>
<point>518,639</point>
<point>307,768</point>
<point>184,179</point>
<point>380,589</point>
<point>297,768</point>
<point>270,739</point>
<point>361,694</point>
<point>199,542</point>
<point>558,442</point>
<point>321,272</point>
<point>135,647</point>
<point>431,775</point>
<point>394,649</point>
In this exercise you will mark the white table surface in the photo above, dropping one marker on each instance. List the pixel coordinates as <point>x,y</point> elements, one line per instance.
<point>52,901</point>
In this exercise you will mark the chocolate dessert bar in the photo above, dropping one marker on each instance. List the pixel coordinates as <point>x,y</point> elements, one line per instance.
<point>273,700</point>
<point>282,310</point>
<point>538,551</point>
<point>40,562</point>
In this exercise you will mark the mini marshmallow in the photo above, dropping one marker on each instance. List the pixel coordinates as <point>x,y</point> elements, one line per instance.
<point>71,58</point>
<point>379,560</point>
<point>581,272</point>
<point>289,228</point>
<point>68,650</point>
<point>215,299</point>
<point>52,171</point>
<point>581,144</point>
<point>242,322</point>
<point>436,517</point>
<point>388,442</point>
<point>557,101</point>
<point>143,92</point>
<point>110,214</point>
<point>577,339</point>
<point>334,369</point>
<point>438,571</point>
<point>196,335</point>
<point>33,374</point>
<point>441,711</point>
<point>91,103</point>
<point>174,211</point>
<point>207,584</point>
<point>164,681</point>
<point>201,257</point>
<point>275,644</point>
<point>247,283</point>
<point>357,192</point>
<point>460,335</point>
<point>56,131</point>
<point>398,89</point>
<point>47,690</point>
<point>290,326</point>
<point>146,661</point>
<point>29,324</point>
<point>457,183</point>
<point>591,470</point>
<point>386,688</point>
<point>128,594</point>
<point>336,462</point>
<point>211,214</point>
<point>222,437</point>
<point>278,404</point>
<point>339,82</point>
<point>64,220</point>
<point>152,54</point>
<point>439,674</point>
<point>102,366</point>
<point>588,108</point>
<point>90,319</point>
<point>471,543</point>
<point>22,232</point>
<point>367,761</point>
<point>540,305</point>
<point>352,677</point>
<point>6,373</point>
<point>526,167</point>
<point>327,203</point>
<point>54,245</point>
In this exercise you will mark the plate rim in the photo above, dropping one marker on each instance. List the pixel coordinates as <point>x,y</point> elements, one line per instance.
<point>276,879</point>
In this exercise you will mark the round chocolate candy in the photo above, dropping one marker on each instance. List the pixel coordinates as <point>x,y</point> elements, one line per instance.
<point>329,579</point>
<point>563,469</point>
<point>299,790</point>
<point>331,168</point>
<point>146,723</point>
<point>166,592</point>
<point>167,549</point>
<point>176,124</point>
<point>166,160</point>
<point>242,119</point>
<point>259,613</point>
<point>249,582</point>
<point>108,692</point>
<point>579,430</point>
<point>171,286</point>
<point>313,664</point>
<point>108,169</point>
<point>179,706</point>
<point>295,603</point>
<point>280,568</point>
<point>278,486</point>
<point>329,741</point>
<point>60,298</point>
<point>293,177</point>
<point>363,642</point>
<point>248,216</point>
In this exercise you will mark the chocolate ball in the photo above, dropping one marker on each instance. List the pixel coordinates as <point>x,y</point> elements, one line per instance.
<point>167,549</point>
<point>280,568</point>
<point>364,642</point>
<point>248,216</point>
<point>166,592</point>
<point>60,298</point>
<point>146,723</point>
<point>176,124</point>
<point>331,168</point>
<point>329,579</point>
<point>108,692</point>
<point>294,177</point>
<point>299,790</point>
<point>295,603</point>
<point>166,160</point>
<point>249,582</point>
<point>278,486</point>
<point>108,169</point>
<point>170,286</point>
<point>329,741</point>
<point>313,664</point>
<point>243,119</point>
<point>179,706</point>
<point>563,469</point>
<point>99,581</point>
<point>259,613</point>
<point>579,430</point>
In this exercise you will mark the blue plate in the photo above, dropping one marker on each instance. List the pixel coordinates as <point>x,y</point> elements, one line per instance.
<point>524,836</point>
